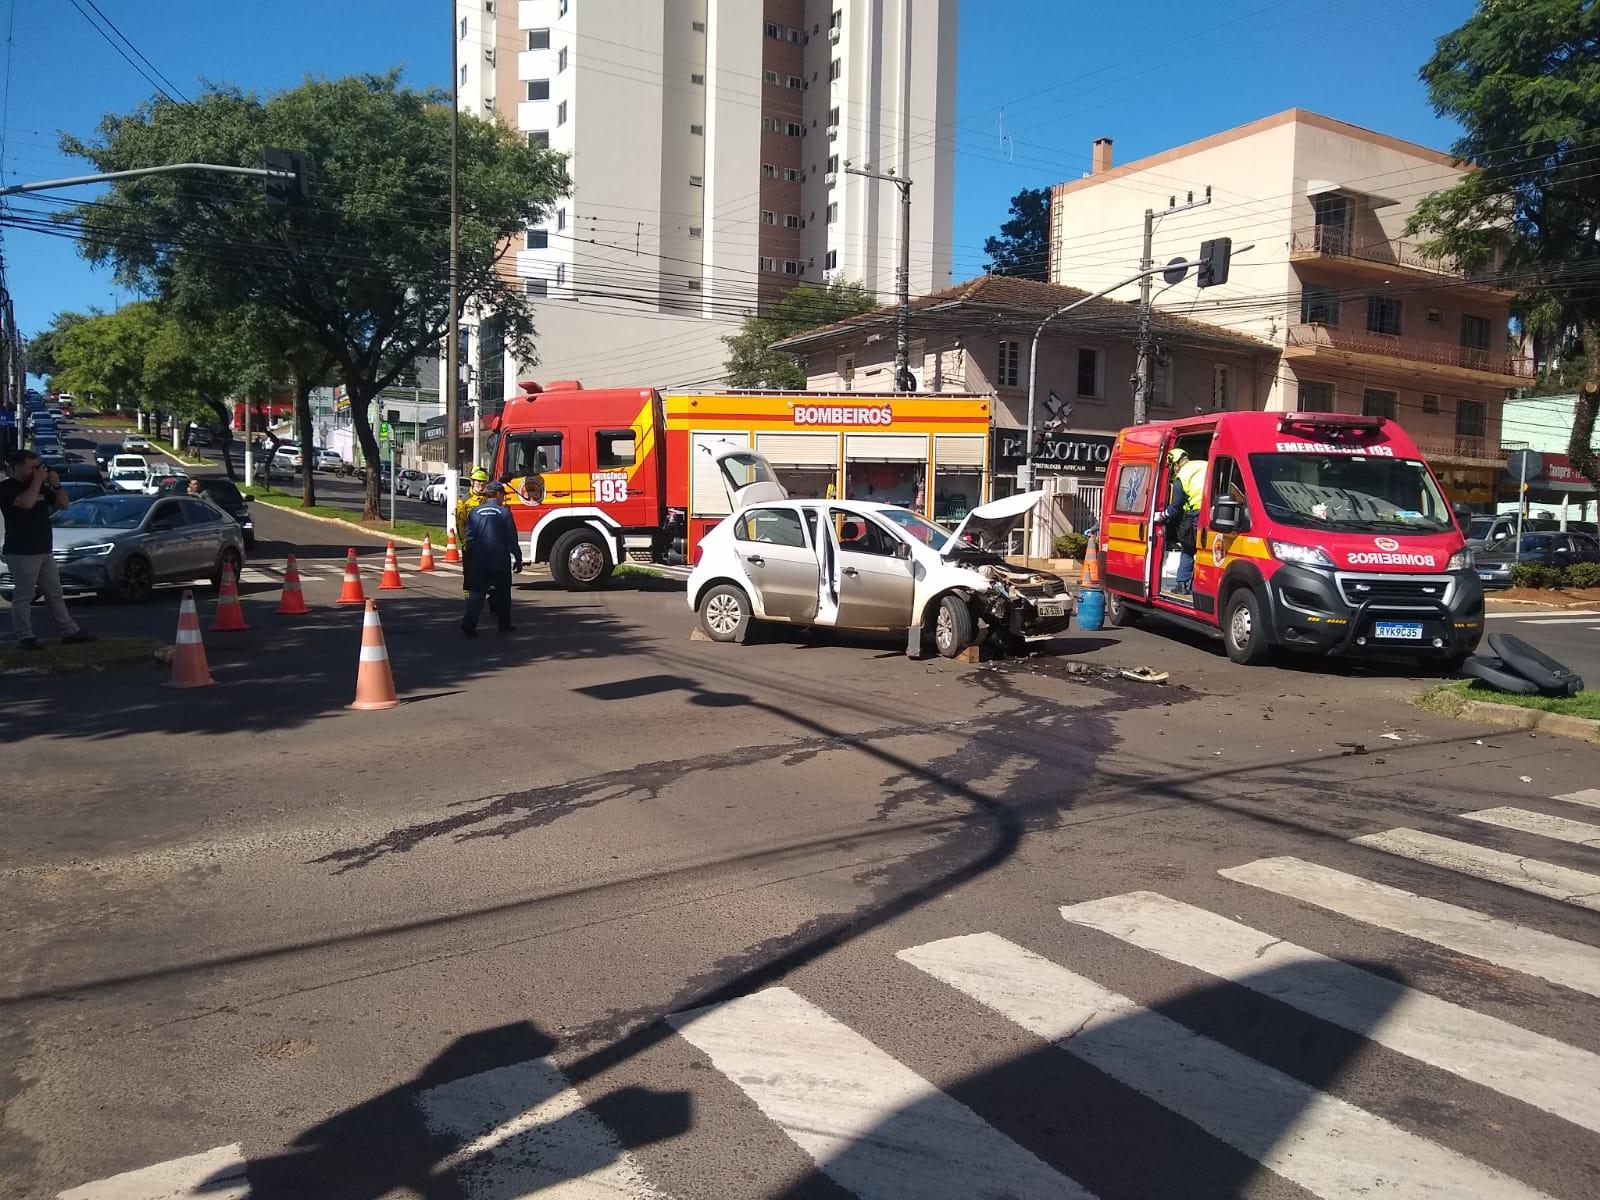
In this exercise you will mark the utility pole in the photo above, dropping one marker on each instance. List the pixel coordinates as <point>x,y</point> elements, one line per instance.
<point>1144,382</point>
<point>452,349</point>
<point>902,332</point>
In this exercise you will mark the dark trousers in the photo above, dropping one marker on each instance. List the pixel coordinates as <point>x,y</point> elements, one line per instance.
<point>1186,534</point>
<point>493,586</point>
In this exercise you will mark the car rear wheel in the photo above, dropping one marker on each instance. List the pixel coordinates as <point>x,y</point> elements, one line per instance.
<point>134,582</point>
<point>953,627</point>
<point>228,559</point>
<point>579,560</point>
<point>725,613</point>
<point>1243,632</point>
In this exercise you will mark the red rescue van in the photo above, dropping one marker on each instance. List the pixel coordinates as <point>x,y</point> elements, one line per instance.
<point>1318,532</point>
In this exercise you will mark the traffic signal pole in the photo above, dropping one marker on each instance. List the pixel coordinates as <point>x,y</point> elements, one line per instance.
<point>1144,380</point>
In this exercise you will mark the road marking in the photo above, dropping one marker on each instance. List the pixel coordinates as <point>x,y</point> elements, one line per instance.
<point>527,1132</point>
<point>1526,821</point>
<point>1559,1079</point>
<point>213,1174</point>
<point>1503,943</point>
<point>1544,617</point>
<point>1326,1145</point>
<point>1512,870</point>
<point>872,1125</point>
<point>1565,620</point>
<point>1588,797</point>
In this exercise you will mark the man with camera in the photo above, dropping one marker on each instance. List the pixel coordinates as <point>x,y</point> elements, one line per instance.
<point>28,496</point>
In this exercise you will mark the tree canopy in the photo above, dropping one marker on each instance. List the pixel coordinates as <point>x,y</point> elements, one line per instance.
<point>1023,247</point>
<point>1522,77</point>
<point>751,361</point>
<point>361,271</point>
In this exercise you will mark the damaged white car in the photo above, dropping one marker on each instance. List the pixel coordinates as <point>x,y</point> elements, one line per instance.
<point>851,564</point>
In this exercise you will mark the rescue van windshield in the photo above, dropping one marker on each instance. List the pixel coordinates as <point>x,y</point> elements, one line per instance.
<point>1351,492</point>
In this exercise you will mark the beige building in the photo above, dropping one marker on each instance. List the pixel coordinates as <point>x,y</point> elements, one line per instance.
<point>1366,322</point>
<point>706,141</point>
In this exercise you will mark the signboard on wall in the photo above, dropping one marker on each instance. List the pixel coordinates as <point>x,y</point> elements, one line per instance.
<point>1061,453</point>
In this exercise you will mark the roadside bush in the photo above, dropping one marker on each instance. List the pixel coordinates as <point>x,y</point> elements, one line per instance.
<point>1071,545</point>
<point>1583,575</point>
<point>1537,575</point>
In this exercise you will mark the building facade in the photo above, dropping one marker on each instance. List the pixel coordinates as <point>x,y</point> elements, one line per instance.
<point>1366,321</point>
<point>706,142</point>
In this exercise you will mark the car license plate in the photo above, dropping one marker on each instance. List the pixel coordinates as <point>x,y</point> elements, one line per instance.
<point>1485,574</point>
<point>1052,608</point>
<point>1410,631</point>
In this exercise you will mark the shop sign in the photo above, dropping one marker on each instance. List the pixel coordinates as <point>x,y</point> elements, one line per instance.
<point>1073,453</point>
<point>843,414</point>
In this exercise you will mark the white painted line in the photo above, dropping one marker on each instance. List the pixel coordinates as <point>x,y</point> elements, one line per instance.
<point>1512,870</point>
<point>1526,821</point>
<point>1566,620</point>
<point>873,1126</point>
<point>213,1174</point>
<point>526,1133</point>
<point>1544,616</point>
<point>1588,797</point>
<point>1559,1079</point>
<point>1326,1145</point>
<point>1503,943</point>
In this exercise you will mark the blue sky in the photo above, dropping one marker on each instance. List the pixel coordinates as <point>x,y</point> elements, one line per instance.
<point>1049,75</point>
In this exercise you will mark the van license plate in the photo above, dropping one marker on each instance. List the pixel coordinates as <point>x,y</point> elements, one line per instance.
<point>1410,631</point>
<point>1056,608</point>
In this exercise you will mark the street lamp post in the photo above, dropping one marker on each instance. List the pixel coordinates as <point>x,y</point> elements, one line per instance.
<point>902,322</point>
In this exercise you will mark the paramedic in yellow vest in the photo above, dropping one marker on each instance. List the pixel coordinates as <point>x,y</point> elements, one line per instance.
<point>464,506</point>
<point>1182,515</point>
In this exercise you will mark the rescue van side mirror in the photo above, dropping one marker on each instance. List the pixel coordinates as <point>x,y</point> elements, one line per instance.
<point>1228,516</point>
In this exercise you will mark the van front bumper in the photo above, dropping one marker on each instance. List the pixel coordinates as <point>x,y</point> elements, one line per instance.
<point>1347,612</point>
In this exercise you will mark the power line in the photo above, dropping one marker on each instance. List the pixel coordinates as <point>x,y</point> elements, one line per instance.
<point>110,41</point>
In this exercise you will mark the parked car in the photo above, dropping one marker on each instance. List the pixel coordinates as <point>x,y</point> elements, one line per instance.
<point>128,473</point>
<point>1488,530</point>
<point>121,546</point>
<point>324,459</point>
<point>165,480</point>
<point>433,493</point>
<point>82,489</point>
<point>850,564</point>
<point>105,452</point>
<point>1541,549</point>
<point>411,482</point>
<point>137,443</point>
<point>287,458</point>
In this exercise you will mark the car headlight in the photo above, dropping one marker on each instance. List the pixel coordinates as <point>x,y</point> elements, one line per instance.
<point>98,549</point>
<point>1305,556</point>
<point>1461,560</point>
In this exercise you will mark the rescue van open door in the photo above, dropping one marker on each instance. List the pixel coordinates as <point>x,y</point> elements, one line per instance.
<point>1129,534</point>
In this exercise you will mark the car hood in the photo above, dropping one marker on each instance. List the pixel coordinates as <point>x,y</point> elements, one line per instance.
<point>988,526</point>
<point>67,537</point>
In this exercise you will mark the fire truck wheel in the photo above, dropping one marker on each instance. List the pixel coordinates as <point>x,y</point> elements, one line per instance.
<point>725,613</point>
<point>1119,613</point>
<point>579,560</point>
<point>1243,631</point>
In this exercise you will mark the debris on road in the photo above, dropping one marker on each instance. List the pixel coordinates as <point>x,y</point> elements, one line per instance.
<point>1145,675</point>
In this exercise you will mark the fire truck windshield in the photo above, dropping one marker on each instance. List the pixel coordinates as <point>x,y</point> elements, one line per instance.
<point>1353,492</point>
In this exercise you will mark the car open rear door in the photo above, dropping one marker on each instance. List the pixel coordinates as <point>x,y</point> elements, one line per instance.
<point>1133,554</point>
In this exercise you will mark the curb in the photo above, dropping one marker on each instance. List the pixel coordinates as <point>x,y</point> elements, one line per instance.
<point>1514,716</point>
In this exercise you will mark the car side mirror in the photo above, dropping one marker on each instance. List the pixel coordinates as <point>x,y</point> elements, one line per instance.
<point>902,550</point>
<point>1228,516</point>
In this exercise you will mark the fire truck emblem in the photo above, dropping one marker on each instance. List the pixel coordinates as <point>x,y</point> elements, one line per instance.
<point>1386,543</point>
<point>532,490</point>
<point>1219,549</point>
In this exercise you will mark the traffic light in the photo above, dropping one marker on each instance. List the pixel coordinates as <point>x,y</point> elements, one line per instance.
<point>1214,256</point>
<point>291,186</point>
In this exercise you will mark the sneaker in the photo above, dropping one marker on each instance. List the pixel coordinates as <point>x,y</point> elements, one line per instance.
<point>82,637</point>
<point>469,630</point>
<point>30,644</point>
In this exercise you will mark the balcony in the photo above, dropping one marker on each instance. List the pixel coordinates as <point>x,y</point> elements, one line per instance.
<point>1407,356</point>
<point>1384,257</point>
<point>1463,450</point>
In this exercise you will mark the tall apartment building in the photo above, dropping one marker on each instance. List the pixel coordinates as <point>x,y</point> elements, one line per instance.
<point>706,142</point>
<point>1366,321</point>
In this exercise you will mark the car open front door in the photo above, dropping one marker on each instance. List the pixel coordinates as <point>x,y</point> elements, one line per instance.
<point>875,581</point>
<point>1133,551</point>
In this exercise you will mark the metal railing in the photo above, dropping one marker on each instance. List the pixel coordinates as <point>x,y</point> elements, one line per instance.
<point>1463,445</point>
<point>1344,243</point>
<point>1330,337</point>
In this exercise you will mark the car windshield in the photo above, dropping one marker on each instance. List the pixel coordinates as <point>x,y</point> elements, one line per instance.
<point>926,532</point>
<point>103,512</point>
<point>1351,492</point>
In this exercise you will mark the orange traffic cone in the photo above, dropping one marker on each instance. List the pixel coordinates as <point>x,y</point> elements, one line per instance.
<point>1091,577</point>
<point>352,592</point>
<point>230,617</point>
<point>391,572</point>
<point>374,680</point>
<point>189,668</point>
<point>425,563</point>
<point>293,603</point>
<point>451,554</point>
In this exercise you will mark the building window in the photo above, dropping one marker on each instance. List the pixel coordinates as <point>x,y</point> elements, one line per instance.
<point>769,170</point>
<point>463,74</point>
<point>768,217</point>
<point>834,69</point>
<point>561,272</point>
<point>830,261</point>
<point>1319,305</point>
<point>1221,386</point>
<point>1383,315</point>
<point>562,11</point>
<point>771,125</point>
<point>1376,403</point>
<point>538,89</point>
<point>698,26</point>
<point>769,264</point>
<point>561,113</point>
<point>538,39</point>
<point>561,60</point>
<point>836,20</point>
<point>774,31</point>
<point>833,115</point>
<point>1474,332</point>
<point>1316,397</point>
<point>794,129</point>
<point>463,36</point>
<point>539,139</point>
<point>833,164</point>
<point>1430,404</point>
<point>695,231</point>
<point>561,218</point>
<point>797,36</point>
<point>535,287</point>
<point>769,77</point>
<point>792,174</point>
<point>696,77</point>
<point>791,221</point>
<point>833,212</point>
<point>795,82</point>
<point>1010,369</point>
<point>536,239</point>
<point>1472,419</point>
<point>1090,373</point>
<point>697,181</point>
<point>793,266</point>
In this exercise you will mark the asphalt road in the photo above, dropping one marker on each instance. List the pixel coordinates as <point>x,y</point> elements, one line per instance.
<point>1572,638</point>
<point>602,909</point>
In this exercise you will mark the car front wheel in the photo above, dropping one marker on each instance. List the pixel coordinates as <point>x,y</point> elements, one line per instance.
<point>1243,632</point>
<point>725,613</point>
<point>134,582</point>
<point>953,627</point>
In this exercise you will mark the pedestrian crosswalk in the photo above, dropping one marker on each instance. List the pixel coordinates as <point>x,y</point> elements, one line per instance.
<point>272,573</point>
<point>878,1129</point>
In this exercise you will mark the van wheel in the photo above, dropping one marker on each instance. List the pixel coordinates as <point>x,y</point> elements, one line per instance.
<point>579,560</point>
<point>1243,631</point>
<point>1119,613</point>
<point>725,613</point>
<point>953,628</point>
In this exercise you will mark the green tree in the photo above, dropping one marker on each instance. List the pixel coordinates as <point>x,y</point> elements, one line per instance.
<point>1023,247</point>
<point>199,367</point>
<point>1522,77</point>
<point>362,271</point>
<point>103,357</point>
<point>44,347</point>
<point>751,361</point>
